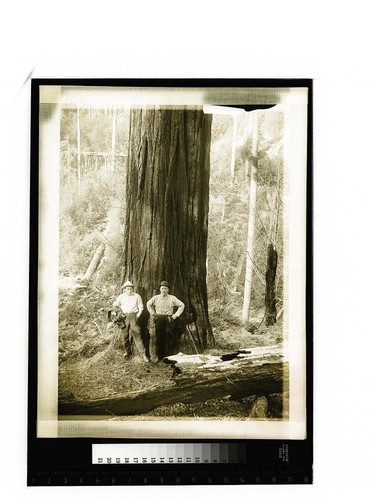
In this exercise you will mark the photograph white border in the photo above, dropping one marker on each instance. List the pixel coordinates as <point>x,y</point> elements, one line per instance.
<point>294,102</point>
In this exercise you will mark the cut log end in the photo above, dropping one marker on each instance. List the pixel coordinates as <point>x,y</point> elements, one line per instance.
<point>259,408</point>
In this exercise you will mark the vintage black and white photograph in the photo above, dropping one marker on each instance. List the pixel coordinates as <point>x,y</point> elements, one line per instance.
<point>172,261</point>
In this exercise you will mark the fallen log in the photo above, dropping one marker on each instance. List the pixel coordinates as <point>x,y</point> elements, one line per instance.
<point>198,378</point>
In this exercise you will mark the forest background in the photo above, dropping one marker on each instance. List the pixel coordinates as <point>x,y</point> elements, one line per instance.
<point>94,150</point>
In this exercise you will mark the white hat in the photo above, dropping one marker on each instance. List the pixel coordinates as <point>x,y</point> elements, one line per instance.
<point>127,283</point>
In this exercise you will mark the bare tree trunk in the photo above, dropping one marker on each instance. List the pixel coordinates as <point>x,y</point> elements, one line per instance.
<point>113,141</point>
<point>95,261</point>
<point>274,205</point>
<point>270,318</point>
<point>105,251</point>
<point>233,154</point>
<point>251,226</point>
<point>238,273</point>
<point>78,149</point>
<point>166,216</point>
<point>223,211</point>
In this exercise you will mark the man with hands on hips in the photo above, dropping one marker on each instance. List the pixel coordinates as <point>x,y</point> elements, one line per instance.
<point>161,328</point>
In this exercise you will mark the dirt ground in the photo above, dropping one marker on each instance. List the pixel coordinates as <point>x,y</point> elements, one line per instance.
<point>99,376</point>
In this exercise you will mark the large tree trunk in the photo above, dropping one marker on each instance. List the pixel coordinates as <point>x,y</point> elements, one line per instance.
<point>167,209</point>
<point>197,378</point>
<point>270,286</point>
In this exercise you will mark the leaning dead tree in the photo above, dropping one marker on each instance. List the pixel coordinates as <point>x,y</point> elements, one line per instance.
<point>197,378</point>
<point>105,253</point>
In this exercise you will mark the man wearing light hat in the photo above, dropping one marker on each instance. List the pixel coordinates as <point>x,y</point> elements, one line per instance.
<point>131,306</point>
<point>162,316</point>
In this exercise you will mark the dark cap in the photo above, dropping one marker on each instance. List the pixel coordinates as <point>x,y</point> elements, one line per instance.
<point>165,283</point>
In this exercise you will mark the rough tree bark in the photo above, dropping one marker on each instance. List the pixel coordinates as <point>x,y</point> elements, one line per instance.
<point>167,186</point>
<point>270,298</point>
<point>196,378</point>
